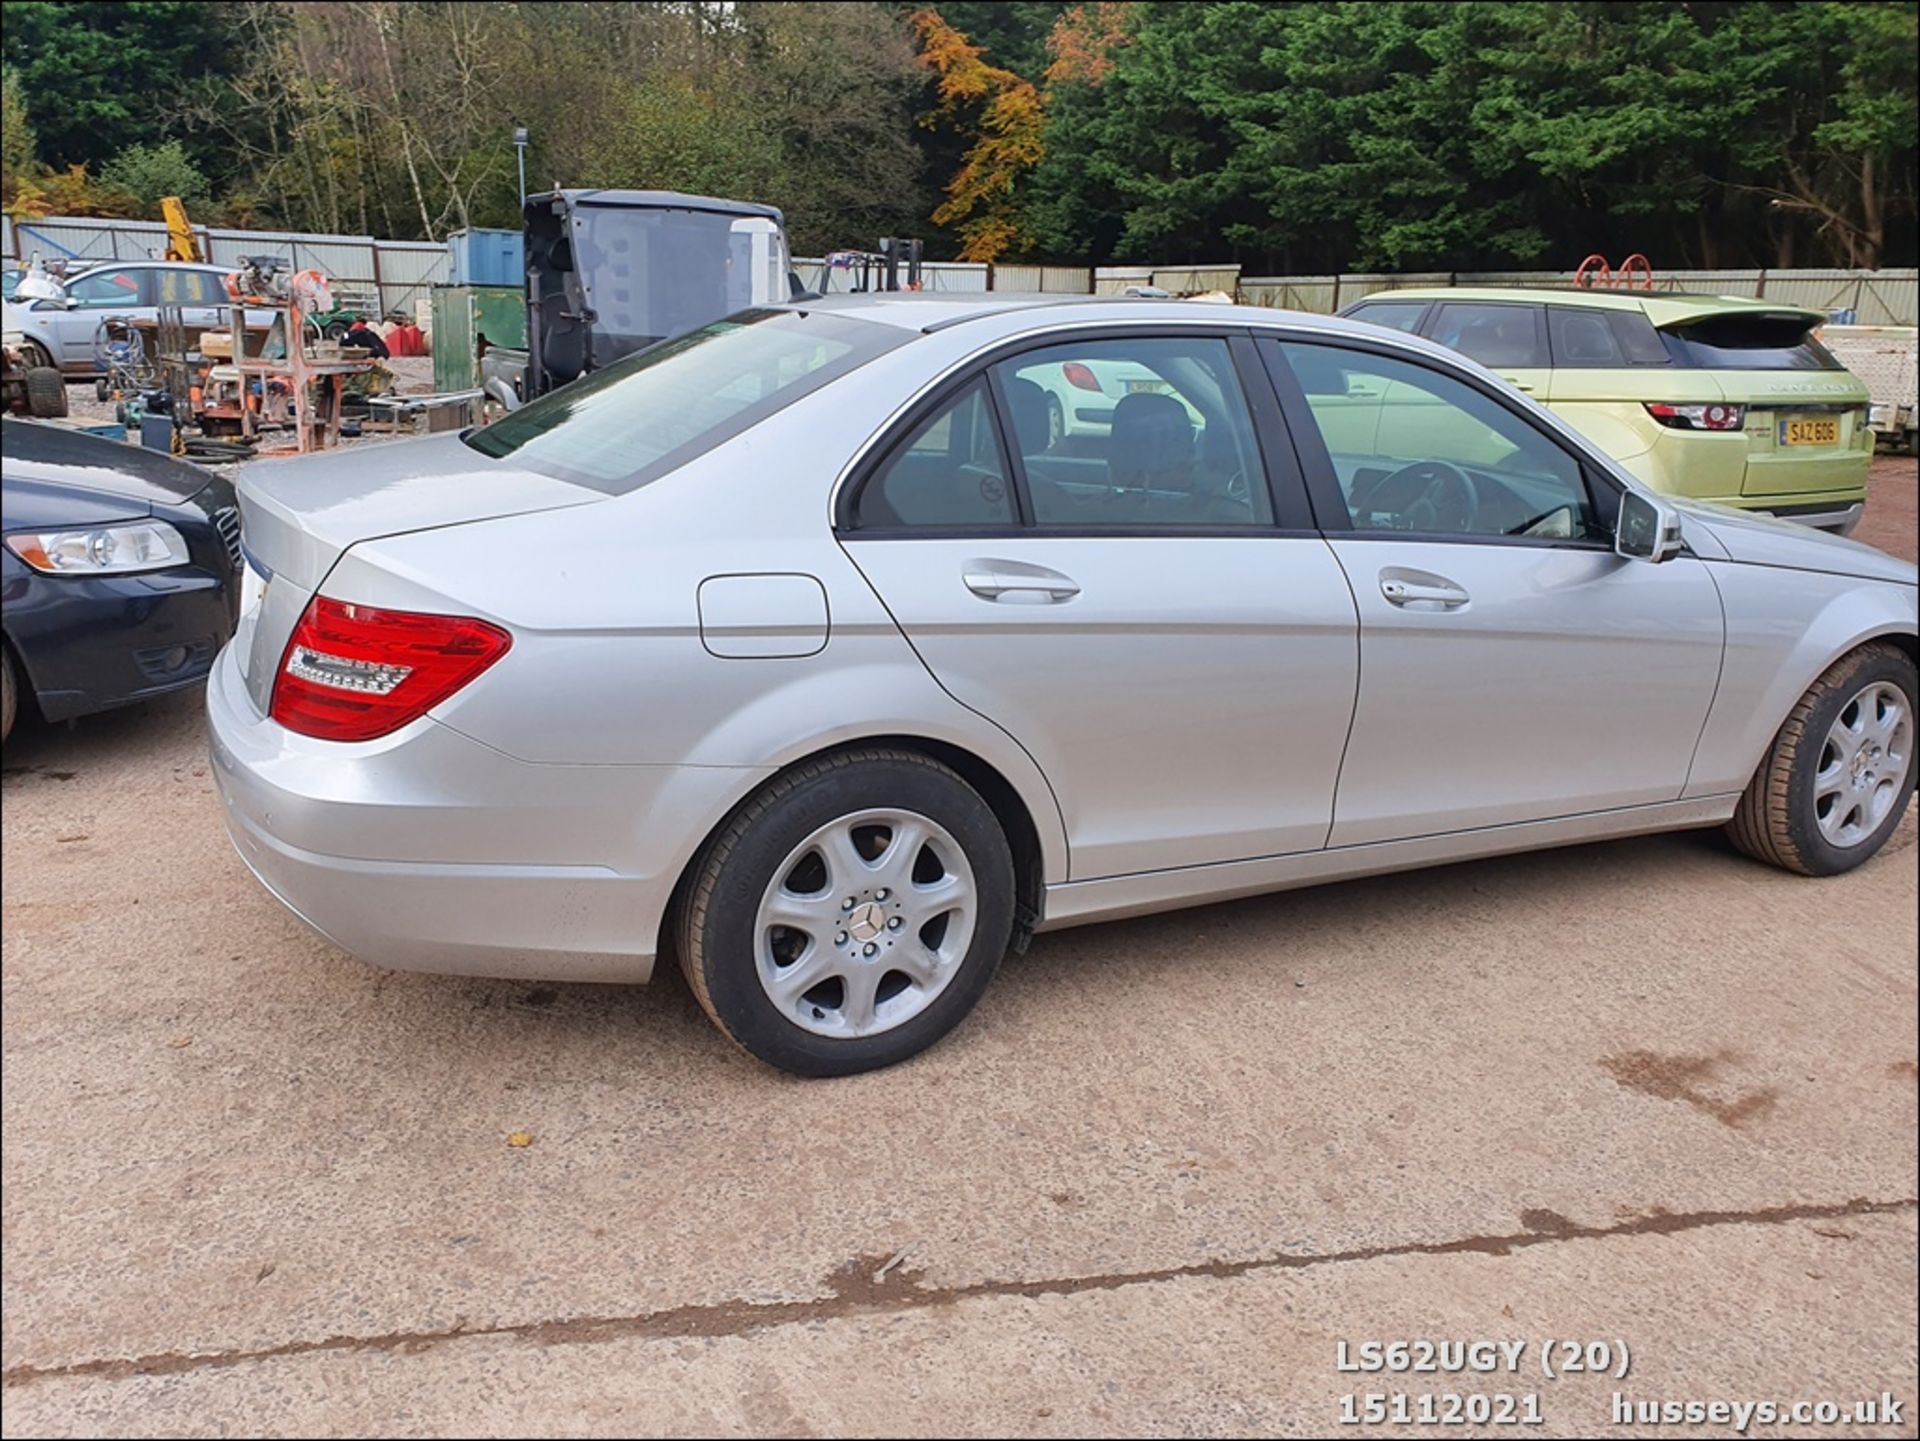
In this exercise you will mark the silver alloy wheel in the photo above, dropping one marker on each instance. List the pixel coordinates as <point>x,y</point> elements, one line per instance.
<point>865,923</point>
<point>1863,765</point>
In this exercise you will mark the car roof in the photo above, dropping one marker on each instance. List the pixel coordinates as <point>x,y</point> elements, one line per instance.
<point>929,312</point>
<point>1662,307</point>
<point>1004,317</point>
<point>656,200</point>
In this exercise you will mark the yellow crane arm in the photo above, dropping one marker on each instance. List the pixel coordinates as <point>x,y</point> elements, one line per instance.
<point>181,242</point>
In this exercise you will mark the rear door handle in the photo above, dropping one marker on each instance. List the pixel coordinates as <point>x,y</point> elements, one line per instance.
<point>1015,582</point>
<point>1418,589</point>
<point>1517,383</point>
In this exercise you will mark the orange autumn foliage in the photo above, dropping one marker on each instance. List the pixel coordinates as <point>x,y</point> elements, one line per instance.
<point>1008,114</point>
<point>1083,40</point>
<point>1012,119</point>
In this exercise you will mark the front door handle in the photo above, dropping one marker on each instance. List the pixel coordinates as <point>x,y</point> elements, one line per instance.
<point>1517,383</point>
<point>1016,582</point>
<point>1418,589</point>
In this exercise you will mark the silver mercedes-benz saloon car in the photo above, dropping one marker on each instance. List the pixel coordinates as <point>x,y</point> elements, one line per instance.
<point>805,648</point>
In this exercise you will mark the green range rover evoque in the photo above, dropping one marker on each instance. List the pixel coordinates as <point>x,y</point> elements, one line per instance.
<point>1709,397</point>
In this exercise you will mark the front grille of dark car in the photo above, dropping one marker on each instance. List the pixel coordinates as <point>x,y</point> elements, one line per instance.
<point>226,520</point>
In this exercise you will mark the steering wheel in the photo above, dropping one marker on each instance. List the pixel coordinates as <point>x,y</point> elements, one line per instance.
<point>1428,495</point>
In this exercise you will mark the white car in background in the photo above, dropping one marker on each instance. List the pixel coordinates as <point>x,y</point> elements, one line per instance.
<point>1081,395</point>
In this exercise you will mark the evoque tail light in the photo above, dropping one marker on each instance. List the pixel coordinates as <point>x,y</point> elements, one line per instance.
<point>1698,417</point>
<point>355,672</point>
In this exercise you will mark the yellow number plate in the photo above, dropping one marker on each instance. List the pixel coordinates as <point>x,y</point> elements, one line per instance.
<point>1806,431</point>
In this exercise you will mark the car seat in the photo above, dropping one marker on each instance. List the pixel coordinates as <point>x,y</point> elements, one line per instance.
<point>1027,403</point>
<point>1152,443</point>
<point>1586,340</point>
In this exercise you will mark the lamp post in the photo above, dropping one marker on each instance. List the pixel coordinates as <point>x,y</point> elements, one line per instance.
<point>520,153</point>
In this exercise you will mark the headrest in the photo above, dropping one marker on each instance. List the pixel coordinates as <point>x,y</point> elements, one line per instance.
<point>1150,433</point>
<point>1028,402</point>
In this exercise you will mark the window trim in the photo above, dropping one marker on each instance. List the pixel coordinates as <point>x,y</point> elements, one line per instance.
<point>1323,484</point>
<point>1279,458</point>
<point>1545,362</point>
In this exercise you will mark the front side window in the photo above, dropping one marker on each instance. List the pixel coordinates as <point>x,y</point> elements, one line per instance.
<point>1140,432</point>
<point>106,290</point>
<point>620,427</point>
<point>949,473</point>
<point>1395,314</point>
<point>1498,336</point>
<point>1416,450</point>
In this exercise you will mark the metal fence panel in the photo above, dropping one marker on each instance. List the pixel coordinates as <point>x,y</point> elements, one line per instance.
<point>1019,279</point>
<point>90,240</point>
<point>1353,287</point>
<point>953,276</point>
<point>1876,297</point>
<point>1316,294</point>
<point>408,270</point>
<point>1043,279</point>
<point>1196,279</point>
<point>1114,279</point>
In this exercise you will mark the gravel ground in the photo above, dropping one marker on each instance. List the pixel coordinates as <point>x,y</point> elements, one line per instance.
<point>1644,1092</point>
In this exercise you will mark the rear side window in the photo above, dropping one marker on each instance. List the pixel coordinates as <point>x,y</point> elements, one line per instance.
<point>1749,342</point>
<point>1603,339</point>
<point>1498,336</point>
<point>1395,314</point>
<point>950,472</point>
<point>188,287</point>
<point>1148,431</point>
<point>621,427</point>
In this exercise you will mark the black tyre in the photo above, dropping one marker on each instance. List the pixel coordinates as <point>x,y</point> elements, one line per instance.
<point>46,393</point>
<point>851,914</point>
<point>1840,773</point>
<point>7,701</point>
<point>34,356</point>
<point>102,391</point>
<point>1056,423</point>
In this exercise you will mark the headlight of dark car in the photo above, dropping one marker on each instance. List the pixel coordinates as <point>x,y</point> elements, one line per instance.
<point>103,550</point>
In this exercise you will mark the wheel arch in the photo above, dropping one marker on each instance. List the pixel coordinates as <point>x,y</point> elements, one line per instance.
<point>1009,806</point>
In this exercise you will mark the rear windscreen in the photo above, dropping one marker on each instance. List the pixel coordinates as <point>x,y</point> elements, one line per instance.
<point>637,419</point>
<point>1749,342</point>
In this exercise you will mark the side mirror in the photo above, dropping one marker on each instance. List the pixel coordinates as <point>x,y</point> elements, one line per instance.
<point>1648,529</point>
<point>63,303</point>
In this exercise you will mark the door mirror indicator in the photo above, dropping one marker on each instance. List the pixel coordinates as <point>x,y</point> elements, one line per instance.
<point>1648,529</point>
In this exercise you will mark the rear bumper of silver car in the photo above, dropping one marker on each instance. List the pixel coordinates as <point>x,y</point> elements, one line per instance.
<point>427,851</point>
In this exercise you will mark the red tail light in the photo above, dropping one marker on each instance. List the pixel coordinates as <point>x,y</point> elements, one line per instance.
<point>352,673</point>
<point>1698,417</point>
<point>1079,377</point>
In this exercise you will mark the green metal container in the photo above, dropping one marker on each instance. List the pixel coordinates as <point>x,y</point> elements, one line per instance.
<point>464,318</point>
